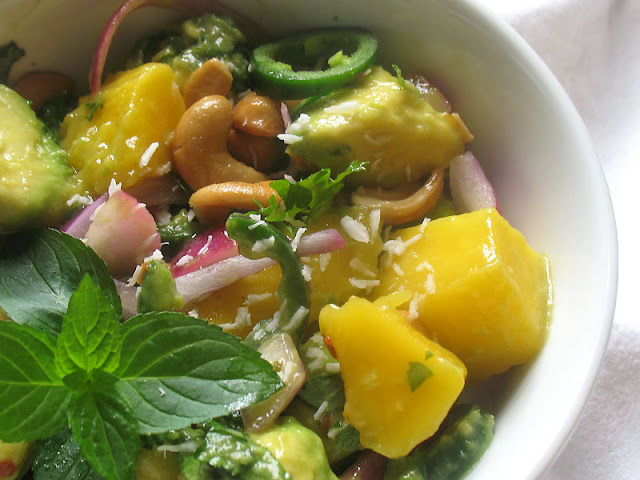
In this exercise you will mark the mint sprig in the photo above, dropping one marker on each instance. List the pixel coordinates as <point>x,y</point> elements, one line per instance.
<point>301,201</point>
<point>111,382</point>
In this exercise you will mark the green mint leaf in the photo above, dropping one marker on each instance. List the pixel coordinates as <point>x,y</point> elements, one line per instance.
<point>178,370</point>
<point>233,452</point>
<point>418,372</point>
<point>59,458</point>
<point>105,429</point>
<point>40,270</point>
<point>34,400</point>
<point>90,335</point>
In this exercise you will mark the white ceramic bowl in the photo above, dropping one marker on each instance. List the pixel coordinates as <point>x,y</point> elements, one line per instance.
<point>527,134</point>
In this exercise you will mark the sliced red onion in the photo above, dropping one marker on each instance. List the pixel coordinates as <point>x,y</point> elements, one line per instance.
<point>286,116</point>
<point>123,233</point>
<point>369,466</point>
<point>430,93</point>
<point>128,298</point>
<point>79,224</point>
<point>279,350</point>
<point>470,187</point>
<point>199,283</point>
<point>206,248</point>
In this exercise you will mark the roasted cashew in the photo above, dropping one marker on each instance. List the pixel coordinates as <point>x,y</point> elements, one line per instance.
<point>212,78</point>
<point>262,153</point>
<point>258,115</point>
<point>213,203</point>
<point>398,206</point>
<point>200,146</point>
<point>39,87</point>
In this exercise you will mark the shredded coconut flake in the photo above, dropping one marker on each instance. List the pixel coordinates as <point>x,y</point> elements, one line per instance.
<point>243,319</point>
<point>344,107</point>
<point>297,317</point>
<point>114,186</point>
<point>185,447</point>
<point>205,247</point>
<point>191,215</point>
<point>261,246</point>
<point>306,272</point>
<point>430,284</point>
<point>333,367</point>
<point>397,269</point>
<point>319,415</point>
<point>355,229</point>
<point>257,297</point>
<point>296,240</point>
<point>161,391</point>
<point>424,224</point>
<point>135,277</point>
<point>79,201</point>
<point>182,261</point>
<point>148,153</point>
<point>413,306</point>
<point>289,138</point>
<point>323,260</point>
<point>361,267</point>
<point>362,283</point>
<point>374,223</point>
<point>424,266</point>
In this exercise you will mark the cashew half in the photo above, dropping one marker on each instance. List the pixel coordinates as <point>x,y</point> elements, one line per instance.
<point>212,78</point>
<point>39,87</point>
<point>399,206</point>
<point>258,115</point>
<point>213,203</point>
<point>200,146</point>
<point>262,153</point>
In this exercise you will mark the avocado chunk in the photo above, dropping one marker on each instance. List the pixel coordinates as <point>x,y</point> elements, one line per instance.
<point>35,178</point>
<point>298,449</point>
<point>379,119</point>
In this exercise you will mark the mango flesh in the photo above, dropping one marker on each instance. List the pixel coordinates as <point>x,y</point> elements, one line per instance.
<point>335,276</point>
<point>477,288</point>
<point>125,131</point>
<point>399,385</point>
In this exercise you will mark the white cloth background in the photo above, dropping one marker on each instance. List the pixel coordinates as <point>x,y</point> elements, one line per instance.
<point>593,48</point>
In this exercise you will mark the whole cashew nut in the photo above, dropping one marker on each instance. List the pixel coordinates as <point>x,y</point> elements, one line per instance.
<point>213,203</point>
<point>212,78</point>
<point>258,115</point>
<point>200,146</point>
<point>397,206</point>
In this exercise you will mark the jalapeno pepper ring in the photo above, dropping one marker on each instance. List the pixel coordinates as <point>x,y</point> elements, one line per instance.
<point>294,67</point>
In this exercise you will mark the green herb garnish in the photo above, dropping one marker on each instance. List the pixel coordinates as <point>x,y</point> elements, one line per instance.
<point>94,106</point>
<point>302,201</point>
<point>417,374</point>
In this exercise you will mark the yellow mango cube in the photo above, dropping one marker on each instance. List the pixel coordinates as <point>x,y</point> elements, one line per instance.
<point>478,288</point>
<point>399,385</point>
<point>125,131</point>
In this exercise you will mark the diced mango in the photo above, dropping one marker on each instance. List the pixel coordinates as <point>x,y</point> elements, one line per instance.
<point>13,459</point>
<point>399,385</point>
<point>125,131</point>
<point>335,276</point>
<point>478,288</point>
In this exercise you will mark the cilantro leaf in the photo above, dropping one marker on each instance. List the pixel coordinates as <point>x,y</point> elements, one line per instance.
<point>90,335</point>
<point>34,399</point>
<point>105,429</point>
<point>303,200</point>
<point>59,458</point>
<point>418,372</point>
<point>40,270</point>
<point>178,370</point>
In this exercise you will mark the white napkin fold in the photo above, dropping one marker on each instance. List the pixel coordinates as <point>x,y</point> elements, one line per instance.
<point>593,48</point>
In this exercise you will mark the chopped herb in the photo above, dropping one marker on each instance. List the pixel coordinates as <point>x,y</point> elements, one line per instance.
<point>417,374</point>
<point>401,81</point>
<point>301,201</point>
<point>428,355</point>
<point>93,106</point>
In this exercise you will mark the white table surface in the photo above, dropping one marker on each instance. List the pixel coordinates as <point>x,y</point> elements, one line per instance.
<point>593,48</point>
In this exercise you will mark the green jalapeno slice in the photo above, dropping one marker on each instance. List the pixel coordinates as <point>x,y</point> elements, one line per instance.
<point>313,63</point>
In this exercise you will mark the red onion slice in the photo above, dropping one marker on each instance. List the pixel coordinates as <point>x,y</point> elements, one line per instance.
<point>196,284</point>
<point>286,116</point>
<point>128,298</point>
<point>206,248</point>
<point>470,187</point>
<point>79,224</point>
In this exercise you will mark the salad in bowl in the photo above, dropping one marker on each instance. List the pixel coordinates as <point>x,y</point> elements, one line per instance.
<point>243,255</point>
